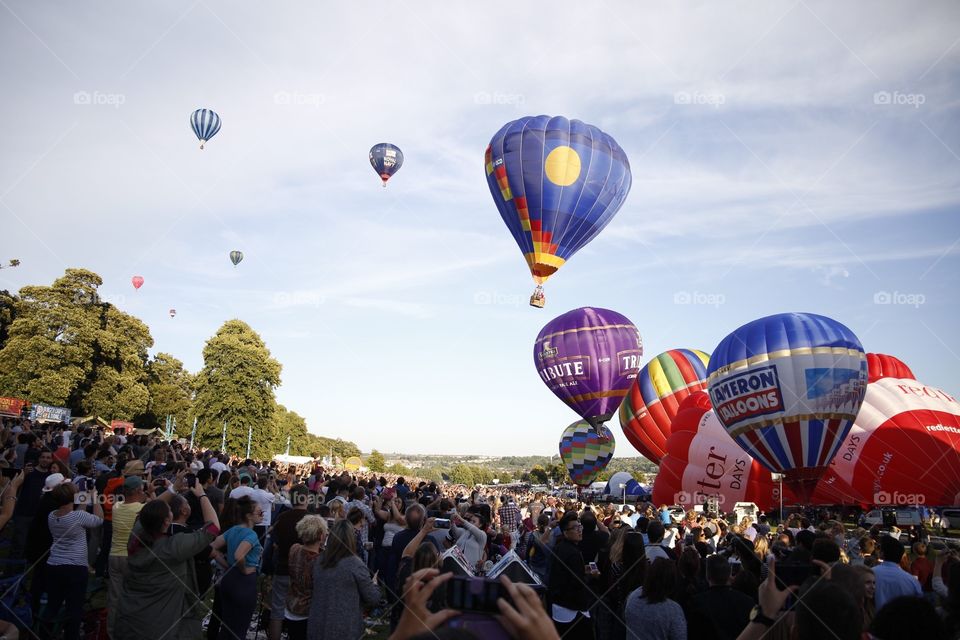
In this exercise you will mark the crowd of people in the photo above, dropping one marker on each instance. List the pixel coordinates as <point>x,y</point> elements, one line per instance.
<point>198,544</point>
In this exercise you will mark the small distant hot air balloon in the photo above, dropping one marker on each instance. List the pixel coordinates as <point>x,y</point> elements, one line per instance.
<point>588,358</point>
<point>557,183</point>
<point>586,451</point>
<point>137,281</point>
<point>655,396</point>
<point>386,159</point>
<point>787,388</point>
<point>205,124</point>
<point>236,257</point>
<point>173,312</point>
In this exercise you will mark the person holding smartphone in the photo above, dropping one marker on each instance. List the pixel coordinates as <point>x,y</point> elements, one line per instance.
<point>568,591</point>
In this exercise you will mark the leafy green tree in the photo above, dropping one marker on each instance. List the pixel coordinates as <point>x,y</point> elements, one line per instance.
<point>399,469</point>
<point>171,393</point>
<point>375,461</point>
<point>237,385</point>
<point>8,313</point>
<point>538,475</point>
<point>558,473</point>
<point>51,344</point>
<point>462,474</point>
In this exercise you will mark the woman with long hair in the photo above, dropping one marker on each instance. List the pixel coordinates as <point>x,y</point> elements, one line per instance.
<point>312,531</point>
<point>238,587</point>
<point>342,586</point>
<point>650,613</point>
<point>67,564</point>
<point>629,568</point>
<point>869,581</point>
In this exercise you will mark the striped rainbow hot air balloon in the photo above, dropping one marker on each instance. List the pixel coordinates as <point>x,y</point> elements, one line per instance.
<point>586,451</point>
<point>653,399</point>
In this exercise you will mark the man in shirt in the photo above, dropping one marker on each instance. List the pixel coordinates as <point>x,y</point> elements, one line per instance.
<point>892,581</point>
<point>357,501</point>
<point>124,515</point>
<point>27,502</point>
<point>284,536</point>
<point>510,517</point>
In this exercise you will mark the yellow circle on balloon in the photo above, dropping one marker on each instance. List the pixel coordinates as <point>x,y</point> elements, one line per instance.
<point>562,166</point>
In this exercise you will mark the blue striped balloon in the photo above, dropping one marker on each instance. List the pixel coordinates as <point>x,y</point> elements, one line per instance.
<point>205,124</point>
<point>787,388</point>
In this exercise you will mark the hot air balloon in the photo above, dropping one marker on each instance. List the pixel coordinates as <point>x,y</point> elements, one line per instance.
<point>137,281</point>
<point>557,184</point>
<point>702,461</point>
<point>654,397</point>
<point>904,447</point>
<point>173,312</point>
<point>353,463</point>
<point>787,388</point>
<point>586,451</point>
<point>880,365</point>
<point>205,124</point>
<point>386,159</point>
<point>630,486</point>
<point>588,358</point>
<point>236,257</point>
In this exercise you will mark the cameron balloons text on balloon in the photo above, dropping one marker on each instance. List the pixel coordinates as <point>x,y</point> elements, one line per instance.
<point>386,159</point>
<point>557,183</point>
<point>586,451</point>
<point>702,461</point>
<point>137,281</point>
<point>205,124</point>
<point>787,388</point>
<point>653,399</point>
<point>588,358</point>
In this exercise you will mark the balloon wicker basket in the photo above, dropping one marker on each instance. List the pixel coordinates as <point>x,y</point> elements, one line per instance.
<point>538,299</point>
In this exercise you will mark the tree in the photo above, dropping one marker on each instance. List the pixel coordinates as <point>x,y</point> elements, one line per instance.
<point>67,347</point>
<point>8,313</point>
<point>538,475</point>
<point>171,393</point>
<point>399,469</point>
<point>558,473</point>
<point>462,474</point>
<point>375,461</point>
<point>237,385</point>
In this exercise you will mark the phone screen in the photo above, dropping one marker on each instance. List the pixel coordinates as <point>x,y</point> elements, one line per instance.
<point>474,594</point>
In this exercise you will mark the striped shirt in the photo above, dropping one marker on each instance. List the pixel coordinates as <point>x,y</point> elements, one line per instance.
<point>70,537</point>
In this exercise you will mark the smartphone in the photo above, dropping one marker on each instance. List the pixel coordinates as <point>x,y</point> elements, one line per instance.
<point>191,480</point>
<point>593,567</point>
<point>441,523</point>
<point>475,594</point>
<point>480,625</point>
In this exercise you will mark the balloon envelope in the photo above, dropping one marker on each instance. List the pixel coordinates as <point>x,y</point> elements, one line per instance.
<point>173,312</point>
<point>703,461</point>
<point>137,281</point>
<point>586,451</point>
<point>386,159</point>
<point>880,365</point>
<point>904,447</point>
<point>588,358</point>
<point>557,183</point>
<point>236,257</point>
<point>787,388</point>
<point>205,124</point>
<point>353,463</point>
<point>655,396</point>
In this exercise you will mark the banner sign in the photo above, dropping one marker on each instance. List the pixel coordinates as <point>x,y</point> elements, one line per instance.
<point>120,424</point>
<point>47,413</point>
<point>11,406</point>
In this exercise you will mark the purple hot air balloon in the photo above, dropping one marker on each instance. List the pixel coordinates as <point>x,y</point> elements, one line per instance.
<point>589,357</point>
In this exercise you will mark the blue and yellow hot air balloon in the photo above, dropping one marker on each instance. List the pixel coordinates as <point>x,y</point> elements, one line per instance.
<point>557,184</point>
<point>586,451</point>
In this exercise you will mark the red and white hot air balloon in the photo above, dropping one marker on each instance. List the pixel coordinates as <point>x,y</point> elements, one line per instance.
<point>904,447</point>
<point>703,461</point>
<point>880,365</point>
<point>137,281</point>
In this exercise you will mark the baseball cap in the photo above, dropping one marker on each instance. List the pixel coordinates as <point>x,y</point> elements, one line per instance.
<point>52,481</point>
<point>132,483</point>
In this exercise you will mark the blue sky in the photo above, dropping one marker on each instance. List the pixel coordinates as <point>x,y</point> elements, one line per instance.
<point>788,156</point>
